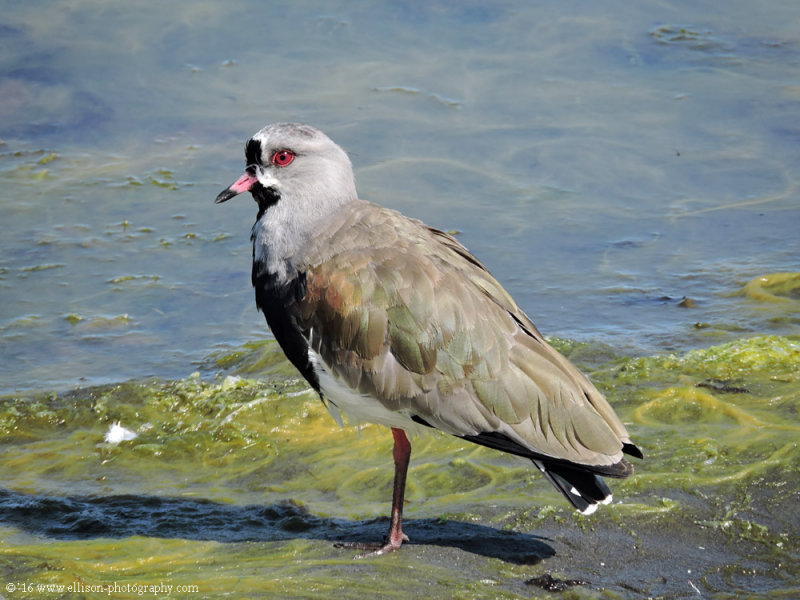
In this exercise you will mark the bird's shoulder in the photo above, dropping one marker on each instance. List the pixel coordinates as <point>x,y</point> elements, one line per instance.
<point>377,265</point>
<point>376,249</point>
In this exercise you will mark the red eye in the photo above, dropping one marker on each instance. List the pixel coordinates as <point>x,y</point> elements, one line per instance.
<point>282,158</point>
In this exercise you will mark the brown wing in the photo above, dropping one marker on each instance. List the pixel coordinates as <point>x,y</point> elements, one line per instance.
<point>405,314</point>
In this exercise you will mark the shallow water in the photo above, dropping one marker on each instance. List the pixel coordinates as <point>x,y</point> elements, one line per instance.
<point>242,486</point>
<point>629,172</point>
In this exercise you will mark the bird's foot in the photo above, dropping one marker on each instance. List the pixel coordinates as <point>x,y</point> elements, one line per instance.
<point>390,544</point>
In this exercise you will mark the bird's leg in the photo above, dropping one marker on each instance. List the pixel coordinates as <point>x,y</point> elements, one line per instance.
<point>402,455</point>
<point>396,537</point>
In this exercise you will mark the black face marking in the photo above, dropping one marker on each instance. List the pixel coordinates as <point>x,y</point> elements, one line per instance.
<point>264,197</point>
<point>252,152</point>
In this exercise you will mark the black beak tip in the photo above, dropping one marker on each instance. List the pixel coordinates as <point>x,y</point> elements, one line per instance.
<point>225,195</point>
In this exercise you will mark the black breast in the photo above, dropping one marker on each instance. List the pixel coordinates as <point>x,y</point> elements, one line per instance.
<point>278,300</point>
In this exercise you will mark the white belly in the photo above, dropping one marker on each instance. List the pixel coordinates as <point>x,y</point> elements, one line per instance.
<point>357,407</point>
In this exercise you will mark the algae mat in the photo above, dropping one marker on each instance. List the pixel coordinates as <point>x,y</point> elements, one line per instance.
<point>239,486</point>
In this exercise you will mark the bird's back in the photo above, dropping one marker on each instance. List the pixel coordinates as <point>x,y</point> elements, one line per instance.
<point>401,314</point>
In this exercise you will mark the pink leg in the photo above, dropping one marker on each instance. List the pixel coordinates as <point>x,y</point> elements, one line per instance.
<point>402,455</point>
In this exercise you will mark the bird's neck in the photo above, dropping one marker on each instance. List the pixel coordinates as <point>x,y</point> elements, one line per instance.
<point>284,234</point>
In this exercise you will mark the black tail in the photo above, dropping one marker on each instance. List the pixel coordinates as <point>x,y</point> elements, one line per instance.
<point>584,490</point>
<point>582,485</point>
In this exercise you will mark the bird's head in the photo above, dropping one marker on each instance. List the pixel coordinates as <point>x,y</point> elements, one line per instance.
<point>297,165</point>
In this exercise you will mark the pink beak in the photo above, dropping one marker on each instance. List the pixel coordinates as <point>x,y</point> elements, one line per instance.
<point>243,184</point>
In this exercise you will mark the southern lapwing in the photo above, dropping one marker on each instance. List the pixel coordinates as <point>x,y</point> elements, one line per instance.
<point>394,322</point>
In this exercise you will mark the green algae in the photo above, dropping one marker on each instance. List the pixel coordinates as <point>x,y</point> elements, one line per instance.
<point>164,178</point>
<point>740,427</point>
<point>127,278</point>
<point>297,569</point>
<point>98,323</point>
<point>45,267</point>
<point>47,158</point>
<point>774,357</point>
<point>241,483</point>
<point>774,287</point>
<point>679,35</point>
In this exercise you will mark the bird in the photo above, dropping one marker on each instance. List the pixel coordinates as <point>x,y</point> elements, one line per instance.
<point>394,322</point>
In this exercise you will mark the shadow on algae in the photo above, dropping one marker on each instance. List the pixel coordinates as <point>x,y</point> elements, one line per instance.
<point>239,485</point>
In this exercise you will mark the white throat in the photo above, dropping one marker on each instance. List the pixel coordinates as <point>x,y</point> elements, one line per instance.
<point>285,232</point>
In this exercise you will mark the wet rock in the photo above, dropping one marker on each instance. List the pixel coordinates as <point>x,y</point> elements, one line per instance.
<point>550,584</point>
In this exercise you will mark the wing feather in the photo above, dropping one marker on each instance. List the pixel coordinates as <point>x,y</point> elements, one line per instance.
<point>405,314</point>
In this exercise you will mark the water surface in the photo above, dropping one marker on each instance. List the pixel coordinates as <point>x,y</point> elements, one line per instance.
<point>603,167</point>
<point>628,172</point>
